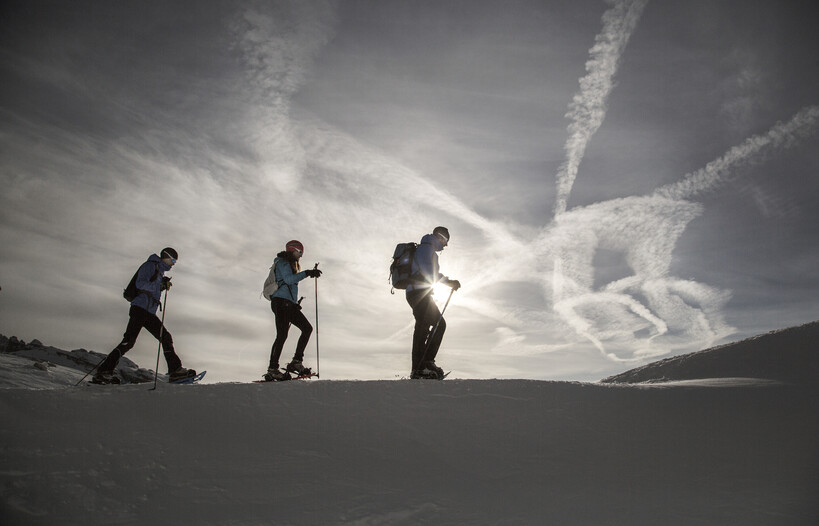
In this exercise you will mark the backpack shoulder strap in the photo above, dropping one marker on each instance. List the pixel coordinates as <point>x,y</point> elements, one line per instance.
<point>156,271</point>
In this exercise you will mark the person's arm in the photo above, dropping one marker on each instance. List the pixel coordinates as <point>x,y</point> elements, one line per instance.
<point>287,275</point>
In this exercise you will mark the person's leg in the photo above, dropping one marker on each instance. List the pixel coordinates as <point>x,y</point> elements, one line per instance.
<point>426,313</point>
<point>135,323</point>
<point>435,338</point>
<point>154,326</point>
<point>298,319</point>
<point>282,314</point>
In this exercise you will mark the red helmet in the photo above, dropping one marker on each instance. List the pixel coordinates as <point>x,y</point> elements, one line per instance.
<point>294,245</point>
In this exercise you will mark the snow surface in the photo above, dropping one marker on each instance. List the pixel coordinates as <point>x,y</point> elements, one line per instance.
<point>715,449</point>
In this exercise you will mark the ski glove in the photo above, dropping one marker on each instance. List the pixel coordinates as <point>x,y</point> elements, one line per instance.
<point>454,284</point>
<point>313,273</point>
<point>166,283</point>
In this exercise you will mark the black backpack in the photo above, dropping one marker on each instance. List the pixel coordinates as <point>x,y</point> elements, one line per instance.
<point>401,275</point>
<point>131,292</point>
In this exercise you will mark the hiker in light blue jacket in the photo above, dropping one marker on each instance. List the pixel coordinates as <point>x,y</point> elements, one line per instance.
<point>284,303</point>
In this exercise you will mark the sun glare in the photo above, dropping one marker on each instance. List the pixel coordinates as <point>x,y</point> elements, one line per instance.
<point>440,293</point>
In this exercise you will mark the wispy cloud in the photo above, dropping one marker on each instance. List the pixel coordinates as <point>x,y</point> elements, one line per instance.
<point>278,43</point>
<point>648,313</point>
<point>645,313</point>
<point>588,107</point>
<point>753,151</point>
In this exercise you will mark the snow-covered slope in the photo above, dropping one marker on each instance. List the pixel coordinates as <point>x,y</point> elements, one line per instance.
<point>787,355</point>
<point>410,452</point>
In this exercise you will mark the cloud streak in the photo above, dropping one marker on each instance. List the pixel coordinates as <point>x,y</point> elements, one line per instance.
<point>754,150</point>
<point>588,107</point>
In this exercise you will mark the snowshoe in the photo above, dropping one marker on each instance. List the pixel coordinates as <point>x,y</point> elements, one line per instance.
<point>276,375</point>
<point>426,374</point>
<point>105,378</point>
<point>298,369</point>
<point>304,376</point>
<point>181,374</point>
<point>189,379</point>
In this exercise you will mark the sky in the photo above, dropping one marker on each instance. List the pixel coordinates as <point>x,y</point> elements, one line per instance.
<point>622,180</point>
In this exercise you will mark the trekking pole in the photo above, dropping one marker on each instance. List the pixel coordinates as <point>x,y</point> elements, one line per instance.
<point>434,329</point>
<point>317,325</point>
<point>159,347</point>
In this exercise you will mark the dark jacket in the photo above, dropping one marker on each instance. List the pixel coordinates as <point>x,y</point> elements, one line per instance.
<point>150,292</point>
<point>425,263</point>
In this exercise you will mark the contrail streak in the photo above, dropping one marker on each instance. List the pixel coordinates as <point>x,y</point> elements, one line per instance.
<point>752,151</point>
<point>588,107</point>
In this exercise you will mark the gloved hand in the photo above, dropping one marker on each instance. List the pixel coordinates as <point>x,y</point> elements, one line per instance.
<point>454,284</point>
<point>313,273</point>
<point>166,283</point>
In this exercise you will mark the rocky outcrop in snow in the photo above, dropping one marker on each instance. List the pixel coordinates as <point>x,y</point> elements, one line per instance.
<point>49,359</point>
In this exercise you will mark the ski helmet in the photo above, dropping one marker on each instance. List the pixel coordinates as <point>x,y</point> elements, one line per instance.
<point>294,245</point>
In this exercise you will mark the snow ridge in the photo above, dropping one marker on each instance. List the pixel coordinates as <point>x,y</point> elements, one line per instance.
<point>786,355</point>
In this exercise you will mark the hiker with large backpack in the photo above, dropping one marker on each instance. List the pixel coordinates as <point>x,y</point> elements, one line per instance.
<point>282,289</point>
<point>144,292</point>
<point>415,268</point>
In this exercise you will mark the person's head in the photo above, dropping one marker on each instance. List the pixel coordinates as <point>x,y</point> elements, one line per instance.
<point>169,256</point>
<point>295,249</point>
<point>442,234</point>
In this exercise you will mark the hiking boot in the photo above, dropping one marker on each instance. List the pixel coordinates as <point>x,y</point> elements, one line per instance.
<point>181,374</point>
<point>276,375</point>
<point>105,377</point>
<point>298,368</point>
<point>430,364</point>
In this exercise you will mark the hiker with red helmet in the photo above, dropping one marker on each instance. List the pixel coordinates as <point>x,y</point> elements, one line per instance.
<point>284,302</point>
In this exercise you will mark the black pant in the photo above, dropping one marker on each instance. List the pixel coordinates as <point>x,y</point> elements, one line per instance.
<point>138,319</point>
<point>288,313</point>
<point>426,315</point>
